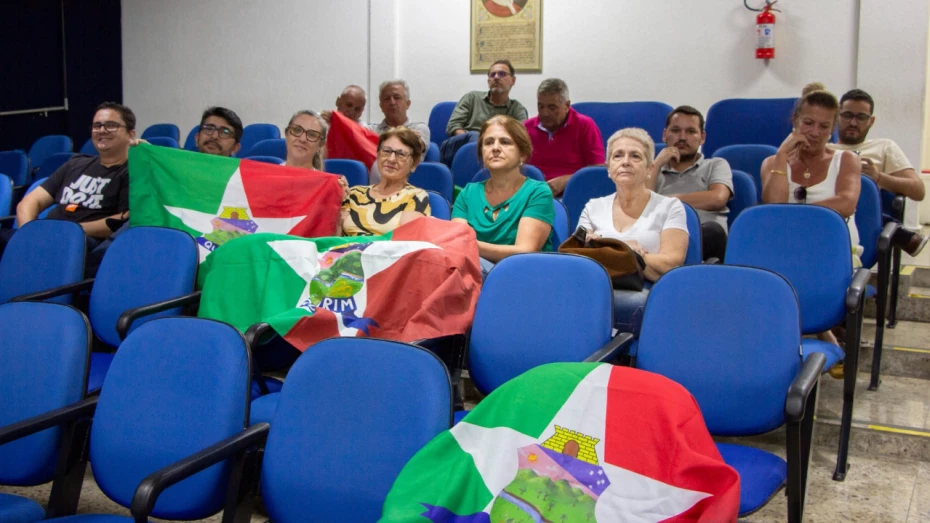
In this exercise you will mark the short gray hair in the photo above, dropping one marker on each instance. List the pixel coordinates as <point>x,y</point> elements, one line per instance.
<point>634,133</point>
<point>554,86</point>
<point>389,83</point>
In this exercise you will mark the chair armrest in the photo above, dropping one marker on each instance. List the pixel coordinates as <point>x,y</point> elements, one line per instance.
<point>143,500</point>
<point>802,386</point>
<point>127,317</point>
<point>897,207</point>
<point>711,261</point>
<point>613,348</point>
<point>47,420</point>
<point>855,294</point>
<point>8,219</point>
<point>884,239</point>
<point>255,333</point>
<point>70,288</point>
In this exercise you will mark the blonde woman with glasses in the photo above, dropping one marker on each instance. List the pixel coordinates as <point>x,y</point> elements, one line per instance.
<point>305,136</point>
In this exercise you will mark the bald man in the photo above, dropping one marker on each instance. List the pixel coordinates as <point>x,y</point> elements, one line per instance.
<point>350,103</point>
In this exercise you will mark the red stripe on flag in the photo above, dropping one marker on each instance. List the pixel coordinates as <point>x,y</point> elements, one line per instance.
<point>654,428</point>
<point>312,329</point>
<point>348,139</point>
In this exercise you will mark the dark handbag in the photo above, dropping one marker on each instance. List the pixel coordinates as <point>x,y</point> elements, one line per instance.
<point>624,266</point>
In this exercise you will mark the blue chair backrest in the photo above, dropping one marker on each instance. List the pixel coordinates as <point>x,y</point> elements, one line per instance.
<point>744,195</point>
<point>89,149</point>
<point>158,130</point>
<point>529,313</point>
<point>42,255</point>
<point>175,387</point>
<point>432,153</point>
<point>43,366</point>
<point>274,160</point>
<point>610,117</point>
<point>587,183</point>
<point>695,254</point>
<point>15,164</point>
<point>439,206</point>
<point>190,143</point>
<point>560,230</point>
<point>385,403</point>
<point>354,170</point>
<point>163,141</point>
<point>735,344</point>
<point>747,158</point>
<point>51,164</point>
<point>530,171</point>
<point>869,221</point>
<point>46,146</point>
<point>144,265</point>
<point>276,147</point>
<point>433,177</point>
<point>465,164</point>
<point>254,133</point>
<point>808,245</point>
<point>747,121</point>
<point>438,120</point>
<point>6,195</point>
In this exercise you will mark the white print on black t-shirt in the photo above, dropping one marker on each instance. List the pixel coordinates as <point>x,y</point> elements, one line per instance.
<point>85,191</point>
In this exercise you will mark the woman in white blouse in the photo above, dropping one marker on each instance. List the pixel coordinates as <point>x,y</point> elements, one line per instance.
<point>653,225</point>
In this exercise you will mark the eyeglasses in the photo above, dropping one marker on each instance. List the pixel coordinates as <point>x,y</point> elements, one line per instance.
<point>224,132</point>
<point>296,131</point>
<point>800,194</point>
<point>860,117</point>
<point>386,153</point>
<point>498,74</point>
<point>111,126</point>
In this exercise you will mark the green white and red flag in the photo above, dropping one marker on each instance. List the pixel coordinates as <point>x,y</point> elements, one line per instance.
<point>420,281</point>
<point>217,199</point>
<point>572,442</point>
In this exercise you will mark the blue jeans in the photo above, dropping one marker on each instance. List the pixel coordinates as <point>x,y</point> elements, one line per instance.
<point>451,145</point>
<point>486,267</point>
<point>629,307</point>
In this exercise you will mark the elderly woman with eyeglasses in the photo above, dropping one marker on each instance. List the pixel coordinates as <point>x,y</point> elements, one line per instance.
<point>380,208</point>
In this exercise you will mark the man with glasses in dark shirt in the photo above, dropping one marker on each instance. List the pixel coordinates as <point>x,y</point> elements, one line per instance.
<point>220,132</point>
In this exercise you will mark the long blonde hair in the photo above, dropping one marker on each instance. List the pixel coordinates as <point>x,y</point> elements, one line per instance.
<point>320,155</point>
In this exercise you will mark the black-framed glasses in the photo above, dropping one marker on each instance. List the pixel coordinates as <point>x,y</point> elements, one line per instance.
<point>498,74</point>
<point>860,117</point>
<point>800,194</point>
<point>297,131</point>
<point>223,132</point>
<point>110,126</point>
<point>386,153</point>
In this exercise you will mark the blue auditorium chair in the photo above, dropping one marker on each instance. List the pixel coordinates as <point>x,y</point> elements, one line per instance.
<point>747,121</point>
<point>809,245</point>
<point>46,146</point>
<point>355,171</point>
<point>530,171</point>
<point>254,133</point>
<point>176,387</point>
<point>432,153</point>
<point>439,206</point>
<point>893,210</point>
<point>143,266</point>
<point>744,195</point>
<point>42,255</point>
<point>190,143</point>
<point>276,147</point>
<point>747,158</point>
<point>51,164</point>
<point>15,164</point>
<point>163,141</point>
<point>438,120</point>
<point>386,402</point>
<point>6,195</point>
<point>735,347</point>
<point>560,230</point>
<point>88,148</point>
<point>695,252</point>
<point>433,177</point>
<point>610,117</point>
<point>587,183</point>
<point>465,164</point>
<point>160,130</point>
<point>274,160</point>
<point>43,367</point>
<point>42,215</point>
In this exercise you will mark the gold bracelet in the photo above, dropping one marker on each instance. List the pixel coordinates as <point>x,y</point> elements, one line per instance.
<point>778,171</point>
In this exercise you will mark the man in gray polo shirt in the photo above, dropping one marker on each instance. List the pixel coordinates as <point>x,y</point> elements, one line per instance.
<point>394,100</point>
<point>703,183</point>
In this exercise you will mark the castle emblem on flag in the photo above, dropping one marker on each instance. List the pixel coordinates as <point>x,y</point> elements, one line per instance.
<point>231,223</point>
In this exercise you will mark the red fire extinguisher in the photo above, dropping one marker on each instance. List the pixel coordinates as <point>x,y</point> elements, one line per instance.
<point>765,30</point>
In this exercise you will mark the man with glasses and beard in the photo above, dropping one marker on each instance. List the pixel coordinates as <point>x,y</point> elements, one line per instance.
<point>220,132</point>
<point>882,160</point>
<point>477,106</point>
<point>703,183</point>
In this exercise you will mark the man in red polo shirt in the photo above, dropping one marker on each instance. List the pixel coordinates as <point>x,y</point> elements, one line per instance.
<point>563,139</point>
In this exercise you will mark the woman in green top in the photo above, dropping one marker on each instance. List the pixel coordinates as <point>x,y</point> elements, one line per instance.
<point>509,212</point>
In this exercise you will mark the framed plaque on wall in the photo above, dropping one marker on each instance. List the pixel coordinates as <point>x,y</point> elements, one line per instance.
<point>506,29</point>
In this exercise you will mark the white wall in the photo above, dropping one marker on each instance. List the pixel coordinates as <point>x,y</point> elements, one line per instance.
<point>264,59</point>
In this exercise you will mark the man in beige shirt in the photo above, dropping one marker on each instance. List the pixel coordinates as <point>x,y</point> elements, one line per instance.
<point>882,160</point>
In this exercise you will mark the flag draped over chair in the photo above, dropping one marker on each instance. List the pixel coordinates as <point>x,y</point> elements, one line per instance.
<point>350,140</point>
